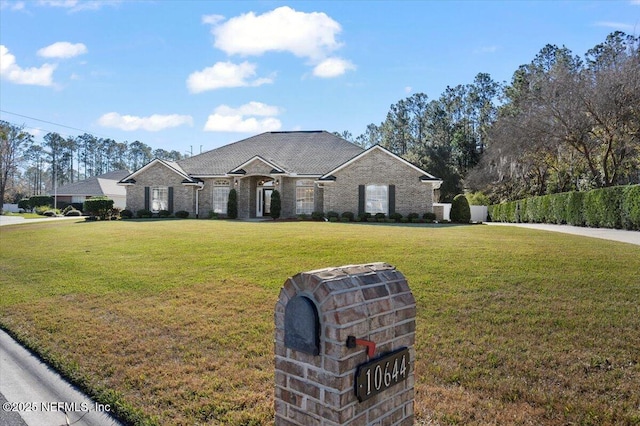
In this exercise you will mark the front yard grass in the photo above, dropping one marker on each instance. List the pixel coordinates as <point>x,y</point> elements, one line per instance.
<point>171,322</point>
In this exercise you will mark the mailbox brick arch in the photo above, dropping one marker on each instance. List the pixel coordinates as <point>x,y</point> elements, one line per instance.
<point>372,302</point>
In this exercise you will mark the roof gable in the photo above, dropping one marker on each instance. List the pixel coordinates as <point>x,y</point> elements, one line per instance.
<point>269,164</point>
<point>171,165</point>
<point>329,176</point>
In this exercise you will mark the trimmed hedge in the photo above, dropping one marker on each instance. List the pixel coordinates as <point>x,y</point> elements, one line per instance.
<point>614,207</point>
<point>98,206</point>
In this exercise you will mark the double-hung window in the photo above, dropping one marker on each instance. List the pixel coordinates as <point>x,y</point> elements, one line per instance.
<point>377,199</point>
<point>220,196</point>
<point>159,198</point>
<point>304,196</point>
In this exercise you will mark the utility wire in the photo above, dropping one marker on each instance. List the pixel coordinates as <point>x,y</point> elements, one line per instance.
<point>52,123</point>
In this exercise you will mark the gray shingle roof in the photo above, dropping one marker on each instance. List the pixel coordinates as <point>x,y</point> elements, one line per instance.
<point>302,152</point>
<point>97,185</point>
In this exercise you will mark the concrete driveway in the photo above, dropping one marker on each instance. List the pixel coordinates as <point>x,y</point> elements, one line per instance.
<point>631,237</point>
<point>17,220</point>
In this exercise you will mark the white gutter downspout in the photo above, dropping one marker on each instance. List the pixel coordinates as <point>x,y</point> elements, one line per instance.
<point>199,188</point>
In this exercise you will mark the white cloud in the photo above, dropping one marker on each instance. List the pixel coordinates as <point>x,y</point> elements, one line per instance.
<point>308,35</point>
<point>486,49</point>
<point>153,123</point>
<point>63,49</point>
<point>616,25</point>
<point>408,89</point>
<point>225,74</point>
<point>212,19</point>
<point>77,5</point>
<point>243,119</point>
<point>313,36</point>
<point>332,67</point>
<point>251,108</point>
<point>15,6</point>
<point>10,70</point>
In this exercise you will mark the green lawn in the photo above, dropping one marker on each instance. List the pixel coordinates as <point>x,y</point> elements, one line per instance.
<point>171,321</point>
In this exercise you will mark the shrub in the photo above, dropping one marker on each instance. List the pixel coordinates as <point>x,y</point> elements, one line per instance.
<point>164,213</point>
<point>575,214</point>
<point>40,200</point>
<point>331,214</point>
<point>477,199</point>
<point>396,217</point>
<point>24,204</point>
<point>364,217</point>
<point>317,216</point>
<point>611,207</point>
<point>276,204</point>
<point>429,217</point>
<point>98,206</point>
<point>630,209</point>
<point>347,215</point>
<point>126,214</point>
<point>145,214</point>
<point>380,217</point>
<point>460,211</point>
<point>213,215</point>
<point>41,209</point>
<point>412,216</point>
<point>181,214</point>
<point>232,204</point>
<point>558,209</point>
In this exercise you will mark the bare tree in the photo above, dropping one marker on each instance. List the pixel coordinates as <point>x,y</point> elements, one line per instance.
<point>13,142</point>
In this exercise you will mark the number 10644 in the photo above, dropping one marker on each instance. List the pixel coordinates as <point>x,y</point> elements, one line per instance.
<point>382,373</point>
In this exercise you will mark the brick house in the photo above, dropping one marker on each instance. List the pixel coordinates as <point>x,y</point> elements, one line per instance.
<point>312,170</point>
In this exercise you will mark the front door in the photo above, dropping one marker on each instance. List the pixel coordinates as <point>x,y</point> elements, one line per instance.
<point>263,199</point>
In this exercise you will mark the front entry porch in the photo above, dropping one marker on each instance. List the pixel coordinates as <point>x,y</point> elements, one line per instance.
<point>254,196</point>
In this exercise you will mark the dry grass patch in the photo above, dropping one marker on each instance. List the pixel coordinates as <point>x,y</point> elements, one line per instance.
<point>171,322</point>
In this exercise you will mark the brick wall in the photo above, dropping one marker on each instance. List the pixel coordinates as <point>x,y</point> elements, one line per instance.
<point>160,175</point>
<point>371,302</point>
<point>378,167</point>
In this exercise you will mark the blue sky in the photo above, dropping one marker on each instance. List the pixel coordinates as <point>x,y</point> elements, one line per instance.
<point>195,75</point>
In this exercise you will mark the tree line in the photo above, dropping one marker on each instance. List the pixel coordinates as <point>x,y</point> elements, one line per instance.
<point>34,167</point>
<point>562,123</point>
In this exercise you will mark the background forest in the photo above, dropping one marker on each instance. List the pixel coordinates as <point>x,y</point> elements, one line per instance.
<point>564,122</point>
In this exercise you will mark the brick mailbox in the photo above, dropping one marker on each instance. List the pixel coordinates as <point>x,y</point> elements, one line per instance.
<point>344,348</point>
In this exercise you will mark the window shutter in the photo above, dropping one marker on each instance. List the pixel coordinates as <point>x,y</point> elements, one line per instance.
<point>361,200</point>
<point>392,199</point>
<point>146,197</point>
<point>170,206</point>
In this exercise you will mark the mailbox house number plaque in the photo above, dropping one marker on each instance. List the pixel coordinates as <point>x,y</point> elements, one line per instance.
<point>382,373</point>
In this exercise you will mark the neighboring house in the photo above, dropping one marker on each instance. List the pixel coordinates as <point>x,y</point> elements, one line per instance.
<point>96,186</point>
<point>312,170</point>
